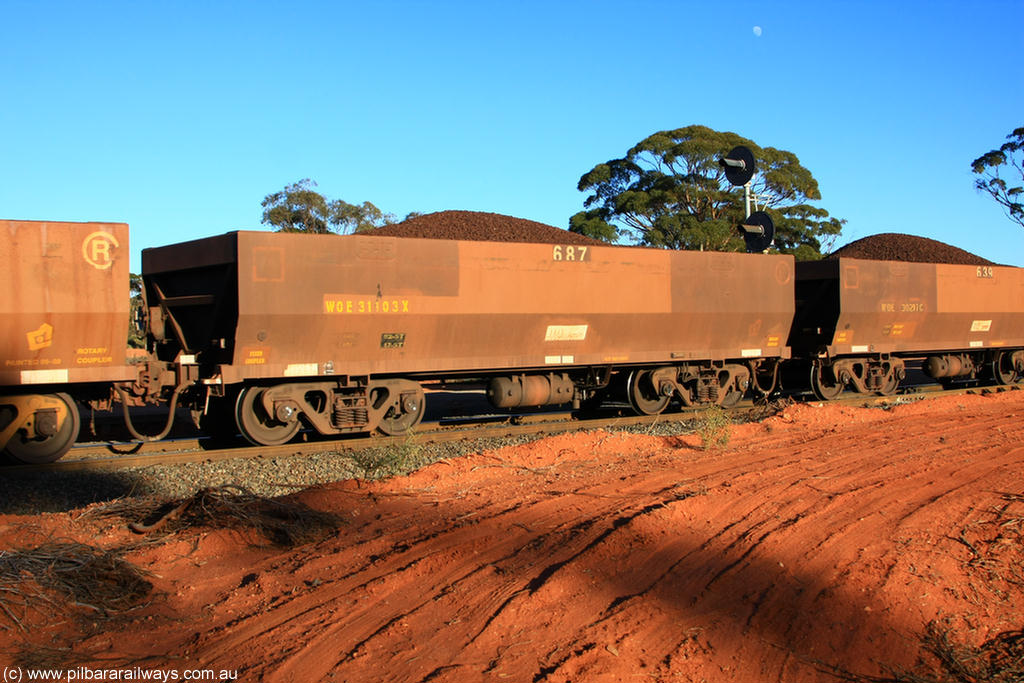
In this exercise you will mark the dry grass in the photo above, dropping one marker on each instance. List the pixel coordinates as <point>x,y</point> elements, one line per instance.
<point>997,660</point>
<point>49,577</point>
<point>283,523</point>
<point>388,461</point>
<point>995,544</point>
<point>765,408</point>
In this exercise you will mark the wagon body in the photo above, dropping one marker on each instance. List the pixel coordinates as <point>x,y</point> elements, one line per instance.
<point>257,305</point>
<point>853,306</point>
<point>64,313</point>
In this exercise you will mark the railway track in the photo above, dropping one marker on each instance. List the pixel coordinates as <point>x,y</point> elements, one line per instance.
<point>107,456</point>
<point>98,456</point>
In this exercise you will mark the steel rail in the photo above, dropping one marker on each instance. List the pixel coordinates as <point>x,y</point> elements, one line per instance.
<point>164,453</point>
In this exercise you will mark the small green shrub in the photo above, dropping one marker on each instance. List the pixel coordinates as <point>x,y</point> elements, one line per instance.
<point>714,428</point>
<point>388,461</point>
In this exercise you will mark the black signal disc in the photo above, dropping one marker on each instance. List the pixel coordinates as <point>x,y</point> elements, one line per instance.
<point>739,175</point>
<point>758,240</point>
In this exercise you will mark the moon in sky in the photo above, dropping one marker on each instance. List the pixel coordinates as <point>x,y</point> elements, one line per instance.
<point>757,31</point>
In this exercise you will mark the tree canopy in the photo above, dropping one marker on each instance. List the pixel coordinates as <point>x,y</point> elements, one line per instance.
<point>670,191</point>
<point>991,164</point>
<point>136,324</point>
<point>299,208</point>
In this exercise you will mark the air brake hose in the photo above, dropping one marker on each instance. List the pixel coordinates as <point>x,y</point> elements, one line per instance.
<point>775,380</point>
<point>170,415</point>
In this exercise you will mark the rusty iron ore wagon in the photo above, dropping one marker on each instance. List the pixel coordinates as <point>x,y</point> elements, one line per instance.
<point>265,334</point>
<point>859,321</point>
<point>64,316</point>
<point>340,333</point>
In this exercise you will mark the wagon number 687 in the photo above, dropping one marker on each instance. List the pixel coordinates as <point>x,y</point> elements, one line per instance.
<point>570,253</point>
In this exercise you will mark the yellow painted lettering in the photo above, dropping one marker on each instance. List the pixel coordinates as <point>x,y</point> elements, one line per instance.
<point>100,251</point>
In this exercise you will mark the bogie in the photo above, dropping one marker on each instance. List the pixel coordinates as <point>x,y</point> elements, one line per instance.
<point>273,415</point>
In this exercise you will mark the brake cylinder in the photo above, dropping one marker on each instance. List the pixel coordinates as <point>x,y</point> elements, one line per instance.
<point>529,390</point>
<point>951,365</point>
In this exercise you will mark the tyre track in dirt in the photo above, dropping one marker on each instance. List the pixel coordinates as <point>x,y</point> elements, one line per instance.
<point>758,595</point>
<point>820,538</point>
<point>416,563</point>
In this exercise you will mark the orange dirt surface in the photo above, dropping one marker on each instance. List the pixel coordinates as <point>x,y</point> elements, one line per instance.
<point>823,539</point>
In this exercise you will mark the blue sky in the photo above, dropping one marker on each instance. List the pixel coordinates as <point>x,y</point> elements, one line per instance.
<point>179,117</point>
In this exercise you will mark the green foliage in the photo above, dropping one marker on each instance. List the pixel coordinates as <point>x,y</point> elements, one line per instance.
<point>714,428</point>
<point>299,208</point>
<point>989,166</point>
<point>136,326</point>
<point>593,224</point>
<point>670,191</point>
<point>388,461</point>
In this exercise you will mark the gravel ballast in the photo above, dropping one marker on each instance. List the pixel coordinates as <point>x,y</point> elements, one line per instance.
<point>27,493</point>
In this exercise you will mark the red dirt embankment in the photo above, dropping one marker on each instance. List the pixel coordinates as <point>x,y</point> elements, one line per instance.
<point>823,539</point>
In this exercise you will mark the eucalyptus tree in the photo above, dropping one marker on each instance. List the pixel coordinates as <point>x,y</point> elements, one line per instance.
<point>300,208</point>
<point>1009,158</point>
<point>669,190</point>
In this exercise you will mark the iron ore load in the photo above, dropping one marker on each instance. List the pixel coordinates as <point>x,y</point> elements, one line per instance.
<point>266,334</point>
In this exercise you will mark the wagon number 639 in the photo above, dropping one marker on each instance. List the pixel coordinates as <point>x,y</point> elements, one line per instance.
<point>570,253</point>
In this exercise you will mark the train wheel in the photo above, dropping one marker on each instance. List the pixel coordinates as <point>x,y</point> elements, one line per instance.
<point>823,385</point>
<point>256,425</point>
<point>644,395</point>
<point>1003,369</point>
<point>402,418</point>
<point>50,448</point>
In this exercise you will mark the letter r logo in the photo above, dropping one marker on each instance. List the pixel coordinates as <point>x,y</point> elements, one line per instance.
<point>98,249</point>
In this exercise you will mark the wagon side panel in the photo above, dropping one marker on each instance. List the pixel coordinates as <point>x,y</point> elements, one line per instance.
<point>66,304</point>
<point>375,305</point>
<point>914,308</point>
<point>980,306</point>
